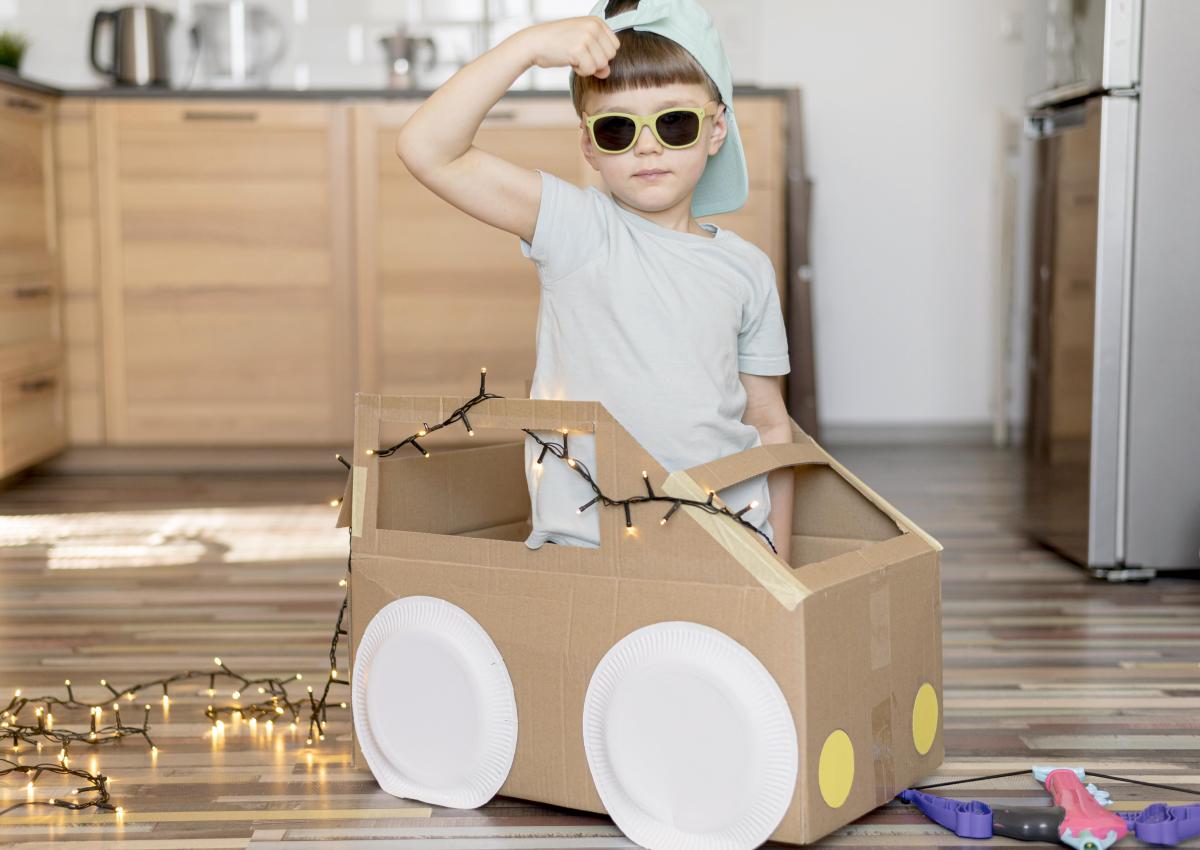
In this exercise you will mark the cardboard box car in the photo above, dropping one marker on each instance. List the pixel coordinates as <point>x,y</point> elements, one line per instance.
<point>850,629</point>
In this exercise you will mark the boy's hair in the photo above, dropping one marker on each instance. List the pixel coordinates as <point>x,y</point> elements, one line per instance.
<point>644,59</point>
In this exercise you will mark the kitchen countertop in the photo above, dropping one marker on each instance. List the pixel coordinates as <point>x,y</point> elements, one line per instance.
<point>134,92</point>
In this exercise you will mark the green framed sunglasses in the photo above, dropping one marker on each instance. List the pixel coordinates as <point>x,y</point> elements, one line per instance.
<point>675,127</point>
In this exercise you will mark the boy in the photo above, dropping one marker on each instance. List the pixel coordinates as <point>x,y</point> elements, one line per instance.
<point>675,327</point>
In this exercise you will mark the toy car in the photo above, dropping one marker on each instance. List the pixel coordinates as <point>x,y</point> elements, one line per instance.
<point>682,677</point>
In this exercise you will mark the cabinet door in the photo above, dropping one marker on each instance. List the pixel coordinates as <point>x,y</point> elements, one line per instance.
<point>442,294</point>
<point>762,220</point>
<point>225,278</point>
<point>28,291</point>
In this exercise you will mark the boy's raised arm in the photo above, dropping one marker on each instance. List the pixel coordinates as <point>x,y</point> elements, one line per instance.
<point>436,142</point>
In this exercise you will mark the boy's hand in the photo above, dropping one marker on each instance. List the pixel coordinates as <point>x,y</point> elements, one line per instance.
<point>585,43</point>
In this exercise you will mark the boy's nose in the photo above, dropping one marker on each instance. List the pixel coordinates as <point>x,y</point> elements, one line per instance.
<point>646,141</point>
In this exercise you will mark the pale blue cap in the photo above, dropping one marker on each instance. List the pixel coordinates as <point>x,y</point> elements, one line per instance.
<point>724,185</point>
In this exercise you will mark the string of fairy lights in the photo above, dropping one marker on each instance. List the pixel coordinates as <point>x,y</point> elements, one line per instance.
<point>276,703</point>
<point>562,451</point>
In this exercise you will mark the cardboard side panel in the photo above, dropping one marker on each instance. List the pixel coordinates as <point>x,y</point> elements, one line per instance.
<point>871,643</point>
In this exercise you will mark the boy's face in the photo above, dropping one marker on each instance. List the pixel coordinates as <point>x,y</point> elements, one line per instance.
<point>649,176</point>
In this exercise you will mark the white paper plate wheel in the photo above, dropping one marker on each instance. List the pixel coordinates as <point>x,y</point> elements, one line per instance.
<point>689,740</point>
<point>433,704</point>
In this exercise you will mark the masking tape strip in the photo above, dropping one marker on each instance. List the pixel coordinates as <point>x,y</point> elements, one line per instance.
<point>884,755</point>
<point>768,570</point>
<point>358,500</point>
<point>881,628</point>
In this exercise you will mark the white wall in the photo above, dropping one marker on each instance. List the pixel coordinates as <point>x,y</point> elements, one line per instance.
<point>900,103</point>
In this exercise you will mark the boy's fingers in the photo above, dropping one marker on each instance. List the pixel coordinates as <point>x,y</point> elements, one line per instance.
<point>597,54</point>
<point>584,66</point>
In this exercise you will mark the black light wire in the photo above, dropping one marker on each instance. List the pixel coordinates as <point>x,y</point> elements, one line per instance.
<point>460,415</point>
<point>278,701</point>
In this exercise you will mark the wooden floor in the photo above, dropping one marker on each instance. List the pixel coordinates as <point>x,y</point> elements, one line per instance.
<point>134,577</point>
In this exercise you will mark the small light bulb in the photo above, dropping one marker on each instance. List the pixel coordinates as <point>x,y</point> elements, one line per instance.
<point>370,451</point>
<point>333,503</point>
<point>570,461</point>
<point>217,661</point>
<point>333,673</point>
<point>422,433</point>
<point>753,504</point>
<point>644,474</point>
<point>120,810</point>
<point>426,454</point>
<point>103,682</point>
<point>67,682</point>
<point>470,432</point>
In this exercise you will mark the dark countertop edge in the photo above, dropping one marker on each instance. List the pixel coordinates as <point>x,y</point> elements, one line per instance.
<point>134,93</point>
<point>12,78</point>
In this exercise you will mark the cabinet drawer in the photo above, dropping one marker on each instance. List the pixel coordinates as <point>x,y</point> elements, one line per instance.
<point>32,422</point>
<point>27,310</point>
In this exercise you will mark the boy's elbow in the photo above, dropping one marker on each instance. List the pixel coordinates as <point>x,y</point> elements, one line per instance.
<point>401,146</point>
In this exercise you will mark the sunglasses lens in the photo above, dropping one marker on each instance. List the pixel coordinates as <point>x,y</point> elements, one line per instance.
<point>613,132</point>
<point>678,127</point>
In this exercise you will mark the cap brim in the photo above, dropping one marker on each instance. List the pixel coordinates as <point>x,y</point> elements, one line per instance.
<point>725,184</point>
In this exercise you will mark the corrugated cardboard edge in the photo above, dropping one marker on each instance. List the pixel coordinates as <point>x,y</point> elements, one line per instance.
<point>768,569</point>
<point>358,499</point>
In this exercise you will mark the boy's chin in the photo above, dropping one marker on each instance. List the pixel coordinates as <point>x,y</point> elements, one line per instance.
<point>652,198</point>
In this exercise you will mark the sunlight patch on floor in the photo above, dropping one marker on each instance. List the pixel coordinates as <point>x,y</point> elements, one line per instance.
<point>104,540</point>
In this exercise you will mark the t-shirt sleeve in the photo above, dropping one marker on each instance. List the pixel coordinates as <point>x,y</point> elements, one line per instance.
<point>762,340</point>
<point>571,229</point>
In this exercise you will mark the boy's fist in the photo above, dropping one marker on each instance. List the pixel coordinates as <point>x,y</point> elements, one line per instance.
<point>585,43</point>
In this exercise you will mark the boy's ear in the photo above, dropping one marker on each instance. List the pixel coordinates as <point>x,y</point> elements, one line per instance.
<point>585,145</point>
<point>720,129</point>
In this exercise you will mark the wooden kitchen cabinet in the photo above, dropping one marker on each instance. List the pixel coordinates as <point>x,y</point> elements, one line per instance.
<point>225,276</point>
<point>441,294</point>
<point>32,419</point>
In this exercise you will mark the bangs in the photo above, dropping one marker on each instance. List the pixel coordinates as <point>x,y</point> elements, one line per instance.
<point>644,60</point>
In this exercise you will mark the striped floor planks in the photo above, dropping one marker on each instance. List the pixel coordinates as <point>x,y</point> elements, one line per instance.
<point>132,577</point>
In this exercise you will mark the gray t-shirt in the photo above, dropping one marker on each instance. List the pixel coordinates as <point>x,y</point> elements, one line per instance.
<point>654,324</point>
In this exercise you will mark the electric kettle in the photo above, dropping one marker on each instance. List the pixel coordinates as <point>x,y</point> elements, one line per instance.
<point>139,45</point>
